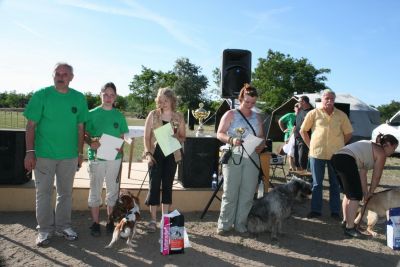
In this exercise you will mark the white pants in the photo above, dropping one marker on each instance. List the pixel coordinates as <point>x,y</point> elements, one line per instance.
<point>100,171</point>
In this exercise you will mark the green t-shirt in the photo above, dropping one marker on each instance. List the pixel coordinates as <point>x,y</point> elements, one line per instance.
<point>57,116</point>
<point>289,120</point>
<point>111,122</point>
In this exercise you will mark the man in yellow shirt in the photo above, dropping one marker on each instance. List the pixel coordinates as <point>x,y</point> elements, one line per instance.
<point>331,130</point>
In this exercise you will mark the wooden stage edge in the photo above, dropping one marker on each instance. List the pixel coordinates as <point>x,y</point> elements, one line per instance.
<point>184,199</point>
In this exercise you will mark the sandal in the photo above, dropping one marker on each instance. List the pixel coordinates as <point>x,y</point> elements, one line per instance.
<point>151,227</point>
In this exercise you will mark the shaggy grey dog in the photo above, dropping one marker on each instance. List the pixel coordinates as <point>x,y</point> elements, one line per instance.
<point>268,212</point>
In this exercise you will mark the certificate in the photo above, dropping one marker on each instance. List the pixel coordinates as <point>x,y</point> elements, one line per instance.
<point>250,142</point>
<point>108,148</point>
<point>167,142</point>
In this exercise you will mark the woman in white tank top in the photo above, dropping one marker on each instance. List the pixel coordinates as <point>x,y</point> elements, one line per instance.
<point>352,163</point>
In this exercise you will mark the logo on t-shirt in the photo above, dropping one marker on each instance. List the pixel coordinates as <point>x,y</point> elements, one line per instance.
<point>116,125</point>
<point>74,109</point>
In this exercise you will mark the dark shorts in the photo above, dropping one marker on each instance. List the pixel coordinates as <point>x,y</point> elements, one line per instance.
<point>348,175</point>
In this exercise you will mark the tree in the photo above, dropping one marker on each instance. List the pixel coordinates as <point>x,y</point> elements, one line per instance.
<point>387,111</point>
<point>143,90</point>
<point>279,76</point>
<point>190,83</point>
<point>92,100</point>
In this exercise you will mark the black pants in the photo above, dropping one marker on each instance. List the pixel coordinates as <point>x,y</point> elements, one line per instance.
<point>301,154</point>
<point>161,174</point>
<point>348,175</point>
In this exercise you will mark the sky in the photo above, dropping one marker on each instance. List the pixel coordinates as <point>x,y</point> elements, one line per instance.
<point>111,40</point>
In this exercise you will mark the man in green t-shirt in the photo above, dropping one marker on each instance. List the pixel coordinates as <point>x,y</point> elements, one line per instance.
<point>54,142</point>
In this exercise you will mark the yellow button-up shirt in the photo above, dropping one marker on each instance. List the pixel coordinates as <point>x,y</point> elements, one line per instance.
<point>328,132</point>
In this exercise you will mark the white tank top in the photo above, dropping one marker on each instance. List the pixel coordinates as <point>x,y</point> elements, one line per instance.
<point>362,152</point>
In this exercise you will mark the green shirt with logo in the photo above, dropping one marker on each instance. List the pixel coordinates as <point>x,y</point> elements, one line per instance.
<point>57,116</point>
<point>101,121</point>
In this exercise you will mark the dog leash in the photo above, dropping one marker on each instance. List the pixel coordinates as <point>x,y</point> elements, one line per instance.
<point>363,212</point>
<point>141,186</point>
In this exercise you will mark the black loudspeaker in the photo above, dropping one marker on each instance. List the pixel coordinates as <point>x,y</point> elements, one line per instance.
<point>12,154</point>
<point>224,107</point>
<point>200,161</point>
<point>345,107</point>
<point>236,71</point>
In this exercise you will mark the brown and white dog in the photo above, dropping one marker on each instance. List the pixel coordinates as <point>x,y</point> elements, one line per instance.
<point>377,206</point>
<point>126,212</point>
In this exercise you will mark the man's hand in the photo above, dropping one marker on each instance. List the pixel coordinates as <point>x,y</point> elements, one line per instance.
<point>30,161</point>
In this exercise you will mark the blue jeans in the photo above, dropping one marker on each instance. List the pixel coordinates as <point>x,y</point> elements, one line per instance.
<point>318,172</point>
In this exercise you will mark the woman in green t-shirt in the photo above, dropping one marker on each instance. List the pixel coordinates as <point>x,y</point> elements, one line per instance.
<point>104,119</point>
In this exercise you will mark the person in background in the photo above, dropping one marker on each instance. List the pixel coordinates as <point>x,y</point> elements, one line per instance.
<point>331,130</point>
<point>240,174</point>
<point>288,147</point>
<point>300,147</point>
<point>54,143</point>
<point>162,168</point>
<point>104,119</point>
<point>352,163</point>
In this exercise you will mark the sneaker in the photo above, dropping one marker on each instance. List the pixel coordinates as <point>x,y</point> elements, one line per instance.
<point>223,232</point>
<point>95,229</point>
<point>352,232</point>
<point>313,214</point>
<point>151,227</point>
<point>68,234</point>
<point>336,216</point>
<point>110,227</point>
<point>343,224</point>
<point>43,239</point>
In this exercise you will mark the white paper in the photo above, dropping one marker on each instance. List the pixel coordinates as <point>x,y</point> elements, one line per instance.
<point>108,147</point>
<point>167,142</point>
<point>250,142</point>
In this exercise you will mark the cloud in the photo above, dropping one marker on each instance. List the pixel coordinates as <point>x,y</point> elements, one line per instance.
<point>140,12</point>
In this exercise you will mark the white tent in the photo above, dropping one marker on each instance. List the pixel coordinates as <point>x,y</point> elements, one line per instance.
<point>363,117</point>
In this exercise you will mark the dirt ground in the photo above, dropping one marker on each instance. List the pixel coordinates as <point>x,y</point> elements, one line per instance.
<point>307,242</point>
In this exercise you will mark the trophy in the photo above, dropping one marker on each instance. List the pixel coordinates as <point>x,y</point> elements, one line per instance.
<point>94,139</point>
<point>200,114</point>
<point>240,131</point>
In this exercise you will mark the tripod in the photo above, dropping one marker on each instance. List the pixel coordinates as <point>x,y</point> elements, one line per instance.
<point>214,195</point>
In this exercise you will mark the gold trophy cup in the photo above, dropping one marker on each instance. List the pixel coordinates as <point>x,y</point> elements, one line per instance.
<point>200,114</point>
<point>240,131</point>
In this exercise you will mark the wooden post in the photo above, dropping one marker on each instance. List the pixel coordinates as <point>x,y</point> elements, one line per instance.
<point>131,156</point>
<point>264,161</point>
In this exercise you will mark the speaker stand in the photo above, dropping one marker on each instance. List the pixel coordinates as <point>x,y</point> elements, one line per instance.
<point>214,195</point>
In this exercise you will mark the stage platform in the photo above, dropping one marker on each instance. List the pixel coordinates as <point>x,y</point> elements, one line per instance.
<point>22,197</point>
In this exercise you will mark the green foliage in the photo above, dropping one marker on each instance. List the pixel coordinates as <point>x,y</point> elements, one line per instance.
<point>279,76</point>
<point>144,88</point>
<point>387,111</point>
<point>14,100</point>
<point>92,100</point>
<point>190,83</point>
<point>185,79</point>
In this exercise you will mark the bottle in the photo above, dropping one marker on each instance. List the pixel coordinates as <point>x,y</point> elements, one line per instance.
<point>214,181</point>
<point>260,191</point>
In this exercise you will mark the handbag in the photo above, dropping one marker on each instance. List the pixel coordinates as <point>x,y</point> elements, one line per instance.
<point>226,155</point>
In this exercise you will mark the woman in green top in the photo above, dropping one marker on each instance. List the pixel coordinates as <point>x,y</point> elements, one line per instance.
<point>104,119</point>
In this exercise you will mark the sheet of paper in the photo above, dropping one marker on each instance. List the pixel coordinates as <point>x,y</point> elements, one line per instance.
<point>167,142</point>
<point>108,148</point>
<point>250,142</point>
